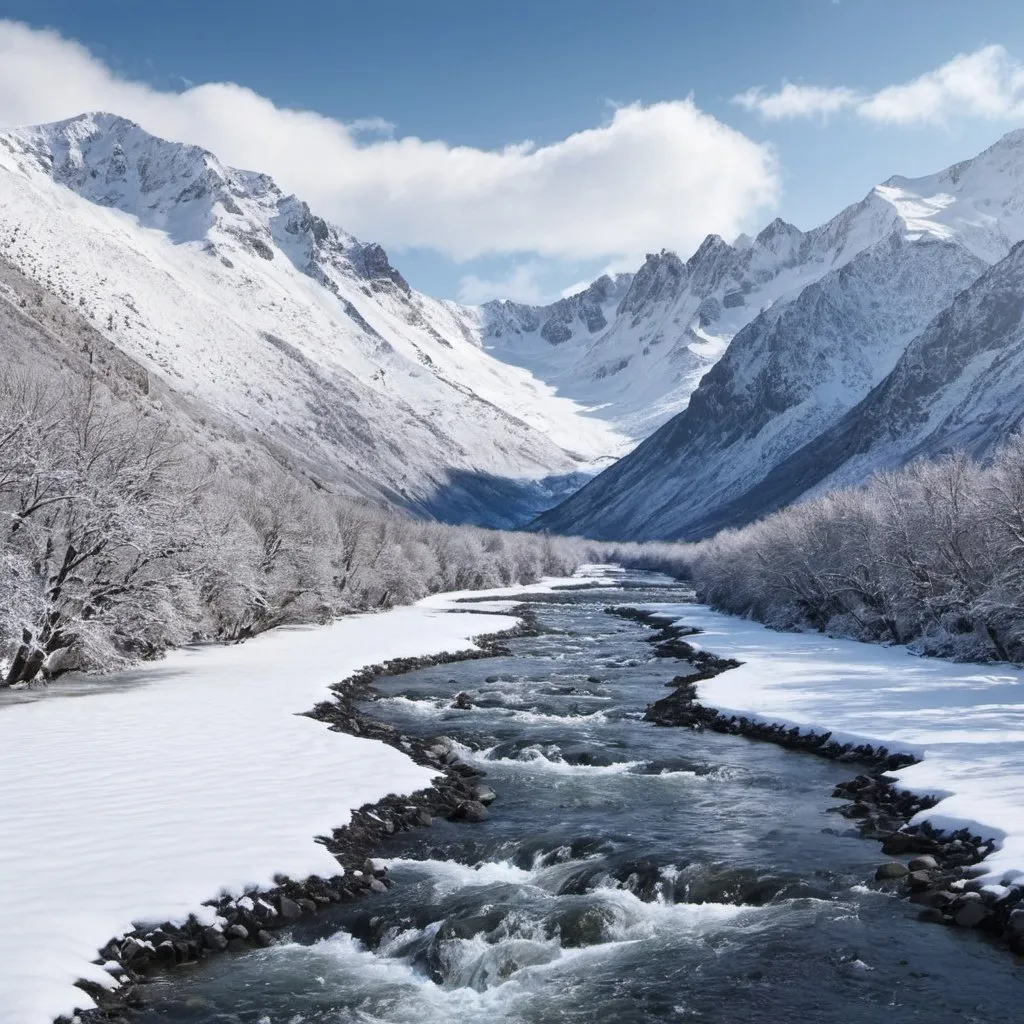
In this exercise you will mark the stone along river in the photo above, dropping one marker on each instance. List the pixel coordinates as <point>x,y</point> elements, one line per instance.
<point>625,874</point>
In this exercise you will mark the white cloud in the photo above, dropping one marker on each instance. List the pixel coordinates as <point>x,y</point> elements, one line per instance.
<point>520,284</point>
<point>651,176</point>
<point>797,101</point>
<point>988,83</point>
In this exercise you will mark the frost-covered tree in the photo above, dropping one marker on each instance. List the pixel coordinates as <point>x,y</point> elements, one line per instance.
<point>118,541</point>
<point>102,511</point>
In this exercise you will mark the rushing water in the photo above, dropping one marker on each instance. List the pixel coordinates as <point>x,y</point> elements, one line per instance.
<point>626,874</point>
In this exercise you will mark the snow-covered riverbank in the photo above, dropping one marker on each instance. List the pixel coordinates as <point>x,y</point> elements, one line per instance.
<point>966,722</point>
<point>185,778</point>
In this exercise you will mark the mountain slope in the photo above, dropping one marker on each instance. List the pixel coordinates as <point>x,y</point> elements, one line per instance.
<point>241,298</point>
<point>797,368</point>
<point>956,386</point>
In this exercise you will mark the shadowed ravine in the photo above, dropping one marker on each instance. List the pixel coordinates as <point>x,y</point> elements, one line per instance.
<point>625,873</point>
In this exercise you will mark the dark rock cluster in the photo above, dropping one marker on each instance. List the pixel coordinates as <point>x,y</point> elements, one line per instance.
<point>941,873</point>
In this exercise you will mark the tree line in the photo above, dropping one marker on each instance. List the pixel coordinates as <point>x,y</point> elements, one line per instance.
<point>930,555</point>
<point>119,541</point>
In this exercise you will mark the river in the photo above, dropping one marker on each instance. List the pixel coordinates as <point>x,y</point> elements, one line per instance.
<point>626,874</point>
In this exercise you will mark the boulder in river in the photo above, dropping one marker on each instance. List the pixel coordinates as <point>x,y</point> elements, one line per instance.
<point>887,872</point>
<point>289,909</point>
<point>971,914</point>
<point>469,810</point>
<point>485,795</point>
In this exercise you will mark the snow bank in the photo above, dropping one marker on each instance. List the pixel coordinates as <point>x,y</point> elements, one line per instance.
<point>965,721</point>
<point>169,784</point>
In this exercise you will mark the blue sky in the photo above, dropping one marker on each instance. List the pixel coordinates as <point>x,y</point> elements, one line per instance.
<point>487,75</point>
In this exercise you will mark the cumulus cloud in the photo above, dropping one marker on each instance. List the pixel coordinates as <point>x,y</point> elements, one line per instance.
<point>797,101</point>
<point>650,176</point>
<point>988,83</point>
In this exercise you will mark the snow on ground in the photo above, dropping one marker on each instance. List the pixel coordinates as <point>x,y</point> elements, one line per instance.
<point>965,721</point>
<point>164,786</point>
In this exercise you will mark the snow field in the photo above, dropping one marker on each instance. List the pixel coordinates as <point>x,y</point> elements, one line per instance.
<point>965,721</point>
<point>199,774</point>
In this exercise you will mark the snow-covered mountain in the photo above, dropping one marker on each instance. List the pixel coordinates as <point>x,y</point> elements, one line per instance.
<point>633,349</point>
<point>305,339</point>
<point>957,386</point>
<point>897,259</point>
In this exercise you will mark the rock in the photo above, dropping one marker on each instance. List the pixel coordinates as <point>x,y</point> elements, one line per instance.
<point>166,953</point>
<point>919,881</point>
<point>376,885</point>
<point>905,842</point>
<point>289,909</point>
<point>214,939</point>
<point>131,950</point>
<point>971,914</point>
<point>264,910</point>
<point>237,931</point>
<point>1010,898</point>
<point>264,938</point>
<point>887,872</point>
<point>1015,923</point>
<point>583,926</point>
<point>485,795</point>
<point>925,863</point>
<point>468,927</point>
<point>470,810</point>
<point>187,951</point>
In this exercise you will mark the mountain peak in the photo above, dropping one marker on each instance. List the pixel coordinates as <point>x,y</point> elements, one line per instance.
<point>113,161</point>
<point>778,228</point>
<point>712,246</point>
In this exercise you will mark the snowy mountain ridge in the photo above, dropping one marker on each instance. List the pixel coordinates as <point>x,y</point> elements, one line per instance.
<point>894,262</point>
<point>309,340</point>
<point>244,301</point>
<point>635,348</point>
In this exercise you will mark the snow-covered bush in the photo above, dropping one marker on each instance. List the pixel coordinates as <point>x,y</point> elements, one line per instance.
<point>930,555</point>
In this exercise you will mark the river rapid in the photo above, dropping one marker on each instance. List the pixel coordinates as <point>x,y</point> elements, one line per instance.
<point>626,873</point>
